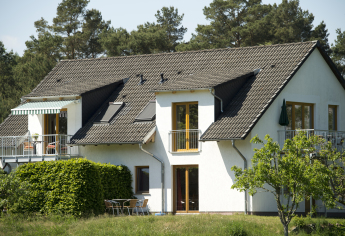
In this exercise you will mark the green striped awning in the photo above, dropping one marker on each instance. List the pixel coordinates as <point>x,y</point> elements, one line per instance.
<point>46,107</point>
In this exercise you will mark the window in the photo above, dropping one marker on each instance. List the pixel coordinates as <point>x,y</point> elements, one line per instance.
<point>332,117</point>
<point>142,179</point>
<point>300,115</point>
<point>106,115</point>
<point>148,114</point>
<point>185,134</point>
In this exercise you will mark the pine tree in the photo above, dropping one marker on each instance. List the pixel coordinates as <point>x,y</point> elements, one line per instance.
<point>67,23</point>
<point>338,49</point>
<point>321,33</point>
<point>171,22</point>
<point>92,27</point>
<point>234,23</point>
<point>290,23</point>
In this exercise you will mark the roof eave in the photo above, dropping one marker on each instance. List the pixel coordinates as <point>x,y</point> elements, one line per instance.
<point>96,144</point>
<point>187,89</point>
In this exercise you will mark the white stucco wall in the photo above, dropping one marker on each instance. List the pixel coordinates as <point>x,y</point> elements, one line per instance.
<point>313,83</point>
<point>74,120</point>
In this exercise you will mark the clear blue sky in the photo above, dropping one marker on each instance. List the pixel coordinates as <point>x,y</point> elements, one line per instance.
<point>17,16</point>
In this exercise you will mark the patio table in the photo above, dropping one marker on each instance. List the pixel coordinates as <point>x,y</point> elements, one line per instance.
<point>121,201</point>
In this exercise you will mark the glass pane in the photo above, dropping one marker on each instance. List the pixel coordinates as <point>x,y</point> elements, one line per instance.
<point>307,117</point>
<point>331,118</point>
<point>143,179</point>
<point>193,116</point>
<point>181,189</point>
<point>298,117</point>
<point>62,125</point>
<point>289,113</point>
<point>193,188</point>
<point>180,117</point>
<point>51,124</point>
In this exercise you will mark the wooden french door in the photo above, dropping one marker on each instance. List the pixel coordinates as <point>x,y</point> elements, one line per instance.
<point>186,189</point>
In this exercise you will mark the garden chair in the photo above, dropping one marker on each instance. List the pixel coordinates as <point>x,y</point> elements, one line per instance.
<point>144,205</point>
<point>28,148</point>
<point>132,205</point>
<point>112,205</point>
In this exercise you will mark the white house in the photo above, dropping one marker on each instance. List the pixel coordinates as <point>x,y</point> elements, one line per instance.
<point>179,121</point>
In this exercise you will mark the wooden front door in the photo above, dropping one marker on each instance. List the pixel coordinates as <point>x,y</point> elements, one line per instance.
<point>186,189</point>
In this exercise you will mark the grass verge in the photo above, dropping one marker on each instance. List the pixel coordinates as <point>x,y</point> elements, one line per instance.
<point>203,224</point>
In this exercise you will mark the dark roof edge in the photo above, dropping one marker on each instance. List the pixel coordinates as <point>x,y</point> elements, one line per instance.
<point>183,52</point>
<point>84,144</point>
<point>278,92</point>
<point>220,139</point>
<point>103,86</point>
<point>331,64</point>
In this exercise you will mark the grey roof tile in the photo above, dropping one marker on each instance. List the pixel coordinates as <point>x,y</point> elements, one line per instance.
<point>241,114</point>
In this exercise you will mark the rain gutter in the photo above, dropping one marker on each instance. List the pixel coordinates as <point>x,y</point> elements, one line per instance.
<point>245,167</point>
<point>162,172</point>
<point>214,95</point>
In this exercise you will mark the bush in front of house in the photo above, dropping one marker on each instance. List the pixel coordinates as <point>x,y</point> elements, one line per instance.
<point>116,181</point>
<point>67,187</point>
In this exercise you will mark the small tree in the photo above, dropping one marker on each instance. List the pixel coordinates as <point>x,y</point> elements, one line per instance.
<point>335,162</point>
<point>291,169</point>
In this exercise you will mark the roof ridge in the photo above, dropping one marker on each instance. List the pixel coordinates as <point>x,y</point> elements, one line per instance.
<point>185,52</point>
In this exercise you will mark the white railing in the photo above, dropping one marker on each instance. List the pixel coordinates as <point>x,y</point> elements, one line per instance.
<point>337,138</point>
<point>36,147</point>
<point>184,140</point>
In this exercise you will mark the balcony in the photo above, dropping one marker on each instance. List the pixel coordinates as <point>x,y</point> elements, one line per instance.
<point>184,141</point>
<point>337,138</point>
<point>33,148</point>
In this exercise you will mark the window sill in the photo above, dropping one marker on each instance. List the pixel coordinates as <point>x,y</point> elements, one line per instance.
<point>184,152</point>
<point>140,193</point>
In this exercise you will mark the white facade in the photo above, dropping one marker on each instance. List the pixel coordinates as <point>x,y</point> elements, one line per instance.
<point>313,83</point>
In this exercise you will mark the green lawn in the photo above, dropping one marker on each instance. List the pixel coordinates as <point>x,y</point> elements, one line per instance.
<point>203,224</point>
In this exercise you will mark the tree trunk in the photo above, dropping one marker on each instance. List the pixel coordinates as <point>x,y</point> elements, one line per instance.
<point>286,230</point>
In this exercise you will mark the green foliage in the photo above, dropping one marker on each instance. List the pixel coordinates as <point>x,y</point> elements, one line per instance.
<point>289,23</point>
<point>116,181</point>
<point>13,192</point>
<point>338,49</point>
<point>67,187</point>
<point>335,162</point>
<point>232,24</point>
<point>170,21</point>
<point>291,167</point>
<point>321,34</point>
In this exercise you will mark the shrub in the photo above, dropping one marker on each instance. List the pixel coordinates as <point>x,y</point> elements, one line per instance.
<point>12,190</point>
<point>67,187</point>
<point>116,181</point>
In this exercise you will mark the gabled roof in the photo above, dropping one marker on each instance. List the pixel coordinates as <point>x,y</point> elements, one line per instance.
<point>202,80</point>
<point>278,63</point>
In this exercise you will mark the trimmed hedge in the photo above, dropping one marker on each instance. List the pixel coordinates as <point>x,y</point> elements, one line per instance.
<point>116,181</point>
<point>73,186</point>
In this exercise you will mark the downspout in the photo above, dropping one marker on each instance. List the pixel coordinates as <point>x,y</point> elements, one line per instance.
<point>214,95</point>
<point>245,167</point>
<point>162,171</point>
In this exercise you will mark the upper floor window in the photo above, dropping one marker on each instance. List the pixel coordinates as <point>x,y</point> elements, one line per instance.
<point>332,117</point>
<point>300,115</point>
<point>185,134</point>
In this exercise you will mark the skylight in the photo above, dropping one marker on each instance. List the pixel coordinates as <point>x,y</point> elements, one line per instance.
<point>106,115</point>
<point>149,112</point>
